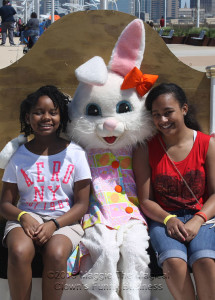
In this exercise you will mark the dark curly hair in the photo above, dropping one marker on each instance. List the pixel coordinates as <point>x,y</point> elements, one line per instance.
<point>178,93</point>
<point>59,99</point>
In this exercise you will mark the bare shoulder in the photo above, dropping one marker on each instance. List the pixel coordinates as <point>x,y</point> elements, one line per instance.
<point>141,150</point>
<point>211,149</point>
<point>211,144</point>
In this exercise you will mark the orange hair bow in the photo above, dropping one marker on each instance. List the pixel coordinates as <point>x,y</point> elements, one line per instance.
<point>136,79</point>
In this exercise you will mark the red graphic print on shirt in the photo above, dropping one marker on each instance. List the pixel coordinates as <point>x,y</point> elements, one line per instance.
<point>49,195</point>
<point>172,190</point>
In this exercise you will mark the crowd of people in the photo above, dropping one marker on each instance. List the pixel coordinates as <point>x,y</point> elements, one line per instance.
<point>28,33</point>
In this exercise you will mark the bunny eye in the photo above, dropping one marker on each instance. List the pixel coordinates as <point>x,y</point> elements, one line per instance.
<point>93,110</point>
<point>123,107</point>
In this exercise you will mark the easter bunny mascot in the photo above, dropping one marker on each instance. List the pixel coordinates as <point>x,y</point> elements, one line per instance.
<point>108,118</point>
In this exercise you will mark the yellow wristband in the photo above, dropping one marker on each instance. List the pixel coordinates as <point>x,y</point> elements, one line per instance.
<point>20,214</point>
<point>167,218</point>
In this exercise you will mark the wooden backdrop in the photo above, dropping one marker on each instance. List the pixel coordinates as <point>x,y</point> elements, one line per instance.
<point>73,40</point>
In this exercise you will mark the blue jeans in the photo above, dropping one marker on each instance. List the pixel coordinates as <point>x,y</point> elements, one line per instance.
<point>34,34</point>
<point>203,245</point>
<point>7,26</point>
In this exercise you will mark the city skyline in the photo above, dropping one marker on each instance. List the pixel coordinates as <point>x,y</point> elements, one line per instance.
<point>145,9</point>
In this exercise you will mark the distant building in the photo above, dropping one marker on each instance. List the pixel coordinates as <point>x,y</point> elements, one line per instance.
<point>208,5</point>
<point>134,7</point>
<point>145,9</point>
<point>189,15</point>
<point>172,9</point>
<point>157,9</point>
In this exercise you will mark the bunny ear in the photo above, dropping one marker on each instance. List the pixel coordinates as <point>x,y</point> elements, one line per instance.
<point>129,49</point>
<point>92,72</point>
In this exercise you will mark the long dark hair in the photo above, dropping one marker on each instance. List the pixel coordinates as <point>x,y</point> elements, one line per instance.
<point>171,88</point>
<point>59,99</point>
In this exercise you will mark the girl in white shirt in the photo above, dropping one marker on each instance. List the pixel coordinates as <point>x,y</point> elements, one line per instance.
<point>52,178</point>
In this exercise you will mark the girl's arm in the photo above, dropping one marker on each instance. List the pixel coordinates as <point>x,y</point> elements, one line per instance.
<point>8,198</point>
<point>10,212</point>
<point>208,208</point>
<point>150,208</point>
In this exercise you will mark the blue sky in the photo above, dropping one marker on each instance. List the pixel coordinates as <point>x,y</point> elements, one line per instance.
<point>183,2</point>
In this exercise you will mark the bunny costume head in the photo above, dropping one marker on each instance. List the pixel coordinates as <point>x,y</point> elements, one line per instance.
<point>107,110</point>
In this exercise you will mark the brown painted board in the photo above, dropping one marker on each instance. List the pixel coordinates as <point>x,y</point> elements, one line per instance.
<point>74,39</point>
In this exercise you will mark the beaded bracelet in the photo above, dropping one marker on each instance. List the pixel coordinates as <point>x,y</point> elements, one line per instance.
<point>167,218</point>
<point>201,214</point>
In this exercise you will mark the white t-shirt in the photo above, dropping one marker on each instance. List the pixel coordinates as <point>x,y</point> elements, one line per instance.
<point>45,183</point>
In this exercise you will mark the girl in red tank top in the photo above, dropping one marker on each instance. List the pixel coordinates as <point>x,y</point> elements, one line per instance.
<point>170,190</point>
<point>175,177</point>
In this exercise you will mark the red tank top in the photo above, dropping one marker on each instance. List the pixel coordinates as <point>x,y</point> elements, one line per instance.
<point>169,189</point>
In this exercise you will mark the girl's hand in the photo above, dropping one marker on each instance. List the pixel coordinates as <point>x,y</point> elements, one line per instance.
<point>193,226</point>
<point>44,232</point>
<point>29,224</point>
<point>176,229</point>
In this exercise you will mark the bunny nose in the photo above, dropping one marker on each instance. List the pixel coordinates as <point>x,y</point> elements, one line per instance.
<point>110,124</point>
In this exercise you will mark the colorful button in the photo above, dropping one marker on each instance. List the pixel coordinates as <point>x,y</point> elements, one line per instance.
<point>118,188</point>
<point>115,164</point>
<point>129,210</point>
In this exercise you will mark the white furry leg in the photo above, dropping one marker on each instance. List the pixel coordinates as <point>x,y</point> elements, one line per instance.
<point>100,276</point>
<point>134,262</point>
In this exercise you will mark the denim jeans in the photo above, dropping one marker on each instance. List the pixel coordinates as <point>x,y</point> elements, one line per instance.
<point>203,245</point>
<point>7,26</point>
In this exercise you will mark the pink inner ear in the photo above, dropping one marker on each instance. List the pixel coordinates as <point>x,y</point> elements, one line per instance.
<point>127,51</point>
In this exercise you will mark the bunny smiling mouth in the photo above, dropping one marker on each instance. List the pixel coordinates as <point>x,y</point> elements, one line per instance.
<point>110,139</point>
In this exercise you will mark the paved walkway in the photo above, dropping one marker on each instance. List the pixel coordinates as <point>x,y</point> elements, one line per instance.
<point>197,57</point>
<point>10,54</point>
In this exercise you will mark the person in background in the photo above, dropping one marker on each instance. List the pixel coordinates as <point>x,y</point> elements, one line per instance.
<point>151,24</point>
<point>32,29</point>
<point>7,13</point>
<point>162,22</point>
<point>175,178</point>
<point>42,26</point>
<point>19,26</point>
